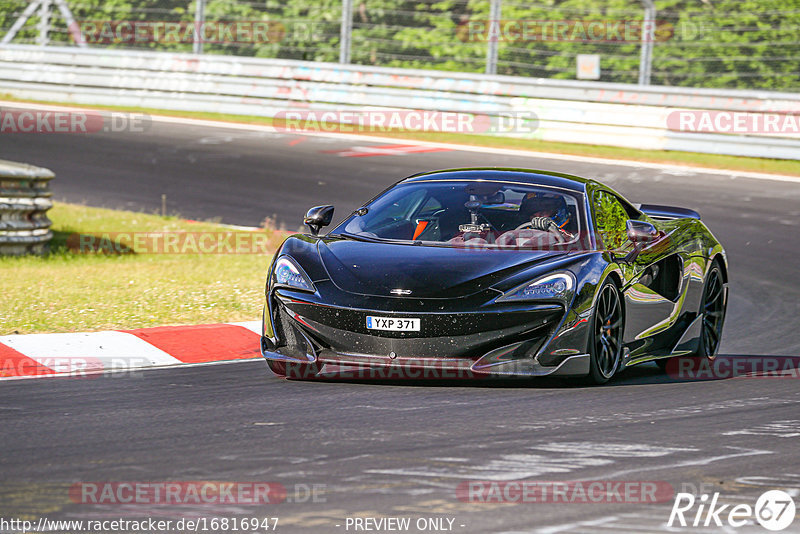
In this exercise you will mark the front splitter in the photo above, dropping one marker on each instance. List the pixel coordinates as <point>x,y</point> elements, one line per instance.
<point>575,365</point>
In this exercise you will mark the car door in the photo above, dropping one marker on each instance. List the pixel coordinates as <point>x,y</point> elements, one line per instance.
<point>648,307</point>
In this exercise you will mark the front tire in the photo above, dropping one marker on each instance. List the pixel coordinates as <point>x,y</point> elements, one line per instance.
<point>605,340</point>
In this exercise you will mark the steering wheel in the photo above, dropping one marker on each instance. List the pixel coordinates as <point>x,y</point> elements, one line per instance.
<point>552,229</point>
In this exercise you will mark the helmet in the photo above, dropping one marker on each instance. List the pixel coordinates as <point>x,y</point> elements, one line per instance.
<point>552,203</point>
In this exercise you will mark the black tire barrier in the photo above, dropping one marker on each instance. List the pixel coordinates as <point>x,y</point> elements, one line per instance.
<point>25,197</point>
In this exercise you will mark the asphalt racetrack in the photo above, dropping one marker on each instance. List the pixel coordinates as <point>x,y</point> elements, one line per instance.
<point>361,449</point>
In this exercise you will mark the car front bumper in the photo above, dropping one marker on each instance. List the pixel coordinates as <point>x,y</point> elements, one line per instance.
<point>496,342</point>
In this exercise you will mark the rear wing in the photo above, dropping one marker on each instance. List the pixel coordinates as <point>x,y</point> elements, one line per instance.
<point>667,212</point>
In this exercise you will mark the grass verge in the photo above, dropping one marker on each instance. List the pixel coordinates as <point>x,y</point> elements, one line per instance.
<point>714,161</point>
<point>71,289</point>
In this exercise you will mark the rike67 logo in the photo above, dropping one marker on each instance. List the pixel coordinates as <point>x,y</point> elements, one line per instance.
<point>774,510</point>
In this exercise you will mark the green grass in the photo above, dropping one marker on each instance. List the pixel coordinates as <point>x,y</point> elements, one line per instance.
<point>68,290</point>
<point>734,163</point>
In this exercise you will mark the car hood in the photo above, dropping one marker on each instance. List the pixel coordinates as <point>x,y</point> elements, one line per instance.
<point>370,268</point>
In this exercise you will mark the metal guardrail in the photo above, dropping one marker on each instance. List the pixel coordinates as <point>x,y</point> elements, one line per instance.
<point>24,201</point>
<point>569,111</point>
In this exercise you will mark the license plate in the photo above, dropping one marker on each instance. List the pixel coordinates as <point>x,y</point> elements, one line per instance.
<point>394,324</point>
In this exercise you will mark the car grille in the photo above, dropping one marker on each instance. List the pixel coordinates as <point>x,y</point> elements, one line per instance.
<point>442,335</point>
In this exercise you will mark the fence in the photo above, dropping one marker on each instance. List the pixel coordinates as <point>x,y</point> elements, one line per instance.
<point>687,43</point>
<point>24,201</point>
<point>569,111</point>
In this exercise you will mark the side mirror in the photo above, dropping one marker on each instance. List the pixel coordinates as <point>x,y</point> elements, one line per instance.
<point>318,217</point>
<point>641,232</point>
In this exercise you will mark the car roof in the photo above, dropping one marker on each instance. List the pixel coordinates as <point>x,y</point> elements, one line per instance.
<point>503,174</point>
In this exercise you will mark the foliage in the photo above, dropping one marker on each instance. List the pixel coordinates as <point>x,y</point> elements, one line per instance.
<point>701,43</point>
<point>731,43</point>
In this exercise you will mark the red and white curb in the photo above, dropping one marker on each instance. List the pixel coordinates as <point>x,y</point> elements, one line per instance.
<point>85,354</point>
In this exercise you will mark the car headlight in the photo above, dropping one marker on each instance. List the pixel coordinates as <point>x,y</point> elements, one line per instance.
<point>288,273</point>
<point>552,287</point>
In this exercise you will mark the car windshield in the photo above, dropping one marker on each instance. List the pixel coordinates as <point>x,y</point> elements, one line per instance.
<point>473,214</point>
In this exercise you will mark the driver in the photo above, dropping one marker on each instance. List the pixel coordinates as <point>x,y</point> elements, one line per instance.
<point>547,212</point>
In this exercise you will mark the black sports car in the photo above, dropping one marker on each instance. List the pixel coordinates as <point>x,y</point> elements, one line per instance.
<point>497,272</point>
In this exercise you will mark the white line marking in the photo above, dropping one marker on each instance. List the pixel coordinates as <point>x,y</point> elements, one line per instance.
<point>619,450</point>
<point>732,174</point>
<point>702,461</point>
<point>600,522</point>
<point>501,151</point>
<point>790,483</point>
<point>779,429</point>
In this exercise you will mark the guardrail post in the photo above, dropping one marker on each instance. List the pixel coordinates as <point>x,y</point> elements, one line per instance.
<point>494,36</point>
<point>346,32</point>
<point>24,201</point>
<point>199,22</point>
<point>648,34</point>
<point>44,23</point>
